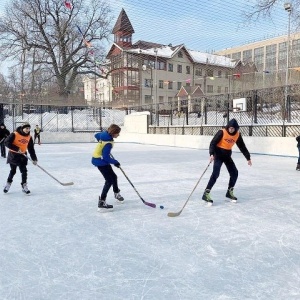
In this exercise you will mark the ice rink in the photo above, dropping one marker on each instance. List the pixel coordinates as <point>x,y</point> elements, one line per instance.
<point>56,246</point>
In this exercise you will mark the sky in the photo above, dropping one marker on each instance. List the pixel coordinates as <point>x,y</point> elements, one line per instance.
<point>201,25</point>
<point>55,245</point>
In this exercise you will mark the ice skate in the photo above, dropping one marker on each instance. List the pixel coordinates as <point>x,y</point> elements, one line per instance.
<point>104,207</point>
<point>25,188</point>
<point>7,187</point>
<point>119,198</point>
<point>298,167</point>
<point>206,197</point>
<point>230,195</point>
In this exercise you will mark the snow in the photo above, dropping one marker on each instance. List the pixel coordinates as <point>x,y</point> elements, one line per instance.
<point>55,245</point>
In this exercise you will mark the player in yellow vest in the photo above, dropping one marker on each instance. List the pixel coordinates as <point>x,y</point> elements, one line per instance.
<point>37,134</point>
<point>102,160</point>
<point>220,152</point>
<point>18,142</point>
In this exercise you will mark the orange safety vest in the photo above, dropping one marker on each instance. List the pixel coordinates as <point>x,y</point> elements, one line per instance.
<point>228,140</point>
<point>21,141</point>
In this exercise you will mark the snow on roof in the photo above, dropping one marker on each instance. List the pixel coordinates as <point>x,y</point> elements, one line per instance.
<point>164,51</point>
<point>198,57</point>
<point>211,59</point>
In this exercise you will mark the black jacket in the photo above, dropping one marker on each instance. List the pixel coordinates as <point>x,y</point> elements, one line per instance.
<point>3,132</point>
<point>298,140</point>
<point>18,158</point>
<point>223,153</point>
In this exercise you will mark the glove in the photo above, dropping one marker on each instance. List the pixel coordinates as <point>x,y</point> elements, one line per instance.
<point>34,162</point>
<point>117,165</point>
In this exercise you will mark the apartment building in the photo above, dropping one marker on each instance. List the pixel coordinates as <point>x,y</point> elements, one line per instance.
<point>271,59</point>
<point>147,73</point>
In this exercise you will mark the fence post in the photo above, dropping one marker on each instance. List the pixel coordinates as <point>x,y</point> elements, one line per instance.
<point>288,108</point>
<point>187,115</point>
<point>72,119</point>
<point>205,112</point>
<point>255,100</point>
<point>171,115</point>
<point>100,118</point>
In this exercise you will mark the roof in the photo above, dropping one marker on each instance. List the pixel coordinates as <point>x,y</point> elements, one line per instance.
<point>159,50</point>
<point>123,23</point>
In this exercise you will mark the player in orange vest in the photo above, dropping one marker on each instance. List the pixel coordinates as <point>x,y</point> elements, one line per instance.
<point>220,152</point>
<point>18,143</point>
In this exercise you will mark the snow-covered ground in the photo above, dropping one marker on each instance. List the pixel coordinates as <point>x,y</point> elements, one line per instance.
<point>55,245</point>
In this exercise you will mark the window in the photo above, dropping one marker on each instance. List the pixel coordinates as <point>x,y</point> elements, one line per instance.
<point>170,67</point>
<point>180,55</point>
<point>161,99</point>
<point>148,83</point>
<point>148,99</point>
<point>247,55</point>
<point>179,68</point>
<point>219,89</point>
<point>210,72</point>
<point>170,85</point>
<point>188,70</point>
<point>210,88</point>
<point>179,84</point>
<point>161,84</point>
<point>220,74</point>
<point>198,72</point>
<point>236,55</point>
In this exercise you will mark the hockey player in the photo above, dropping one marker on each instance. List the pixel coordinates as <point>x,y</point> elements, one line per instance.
<point>103,160</point>
<point>298,146</point>
<point>37,134</point>
<point>3,134</point>
<point>18,143</point>
<point>220,152</point>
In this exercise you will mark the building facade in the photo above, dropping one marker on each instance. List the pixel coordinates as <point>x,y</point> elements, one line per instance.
<point>146,73</point>
<point>277,60</point>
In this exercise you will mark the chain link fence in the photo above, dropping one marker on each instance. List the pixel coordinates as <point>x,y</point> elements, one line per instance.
<point>60,118</point>
<point>267,112</point>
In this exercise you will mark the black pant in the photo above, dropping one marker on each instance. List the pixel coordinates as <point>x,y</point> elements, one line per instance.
<point>3,150</point>
<point>232,170</point>
<point>111,179</point>
<point>13,170</point>
<point>38,137</point>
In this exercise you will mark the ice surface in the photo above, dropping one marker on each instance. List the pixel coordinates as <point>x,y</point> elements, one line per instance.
<point>55,245</point>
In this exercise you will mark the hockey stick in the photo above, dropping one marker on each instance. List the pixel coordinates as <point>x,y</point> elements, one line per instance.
<point>145,202</point>
<point>176,214</point>
<point>62,183</point>
<point>2,140</point>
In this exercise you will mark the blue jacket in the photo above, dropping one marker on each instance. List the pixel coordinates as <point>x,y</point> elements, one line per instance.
<point>101,156</point>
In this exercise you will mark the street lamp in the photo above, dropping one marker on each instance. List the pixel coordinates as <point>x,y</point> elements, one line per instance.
<point>155,86</point>
<point>288,8</point>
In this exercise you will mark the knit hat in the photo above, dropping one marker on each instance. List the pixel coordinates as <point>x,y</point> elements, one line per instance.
<point>26,125</point>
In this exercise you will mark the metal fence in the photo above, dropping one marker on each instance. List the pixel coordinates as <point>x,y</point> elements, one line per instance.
<point>268,112</point>
<point>60,118</point>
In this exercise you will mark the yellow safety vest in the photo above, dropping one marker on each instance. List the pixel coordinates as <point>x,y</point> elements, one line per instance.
<point>99,148</point>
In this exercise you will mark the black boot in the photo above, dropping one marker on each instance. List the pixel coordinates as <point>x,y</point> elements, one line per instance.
<point>103,206</point>
<point>230,195</point>
<point>298,167</point>
<point>206,197</point>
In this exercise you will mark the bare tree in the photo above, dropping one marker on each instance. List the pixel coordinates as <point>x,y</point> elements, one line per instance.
<point>64,41</point>
<point>265,8</point>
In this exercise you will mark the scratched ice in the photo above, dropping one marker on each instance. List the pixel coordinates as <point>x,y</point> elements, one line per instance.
<point>55,245</point>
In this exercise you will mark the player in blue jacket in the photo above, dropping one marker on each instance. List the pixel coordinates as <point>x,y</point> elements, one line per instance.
<point>102,160</point>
